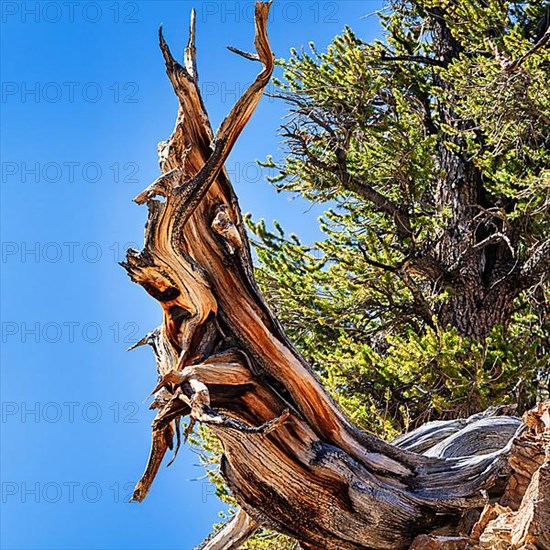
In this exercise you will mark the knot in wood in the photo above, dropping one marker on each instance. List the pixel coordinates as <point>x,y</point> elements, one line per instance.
<point>224,227</point>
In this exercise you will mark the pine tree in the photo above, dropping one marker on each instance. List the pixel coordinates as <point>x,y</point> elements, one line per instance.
<point>428,297</point>
<point>426,300</point>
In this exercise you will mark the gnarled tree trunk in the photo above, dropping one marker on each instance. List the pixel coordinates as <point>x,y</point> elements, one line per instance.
<point>292,460</point>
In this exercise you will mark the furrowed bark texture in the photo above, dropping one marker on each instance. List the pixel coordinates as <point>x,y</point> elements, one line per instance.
<point>292,460</point>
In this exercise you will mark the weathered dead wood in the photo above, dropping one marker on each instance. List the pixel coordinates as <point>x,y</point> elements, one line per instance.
<point>291,458</point>
<point>236,531</point>
<point>521,520</point>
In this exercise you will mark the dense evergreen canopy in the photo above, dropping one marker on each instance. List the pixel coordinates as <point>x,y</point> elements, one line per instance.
<point>430,148</point>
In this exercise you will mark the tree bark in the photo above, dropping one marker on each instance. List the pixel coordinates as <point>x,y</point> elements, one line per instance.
<point>291,459</point>
<point>476,253</point>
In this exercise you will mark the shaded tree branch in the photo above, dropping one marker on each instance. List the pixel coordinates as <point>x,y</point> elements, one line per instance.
<point>542,43</point>
<point>536,269</point>
<point>414,59</point>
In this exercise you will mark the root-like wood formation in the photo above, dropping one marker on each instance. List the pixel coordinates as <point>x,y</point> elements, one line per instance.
<point>292,460</point>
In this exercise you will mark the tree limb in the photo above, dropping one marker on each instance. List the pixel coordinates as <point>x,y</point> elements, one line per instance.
<point>536,268</point>
<point>542,43</point>
<point>414,59</point>
<point>236,531</point>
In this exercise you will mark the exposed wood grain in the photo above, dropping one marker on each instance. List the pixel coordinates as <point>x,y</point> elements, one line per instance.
<point>236,531</point>
<point>291,458</point>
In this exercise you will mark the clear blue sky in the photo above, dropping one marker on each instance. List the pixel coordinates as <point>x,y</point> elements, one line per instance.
<point>84,103</point>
